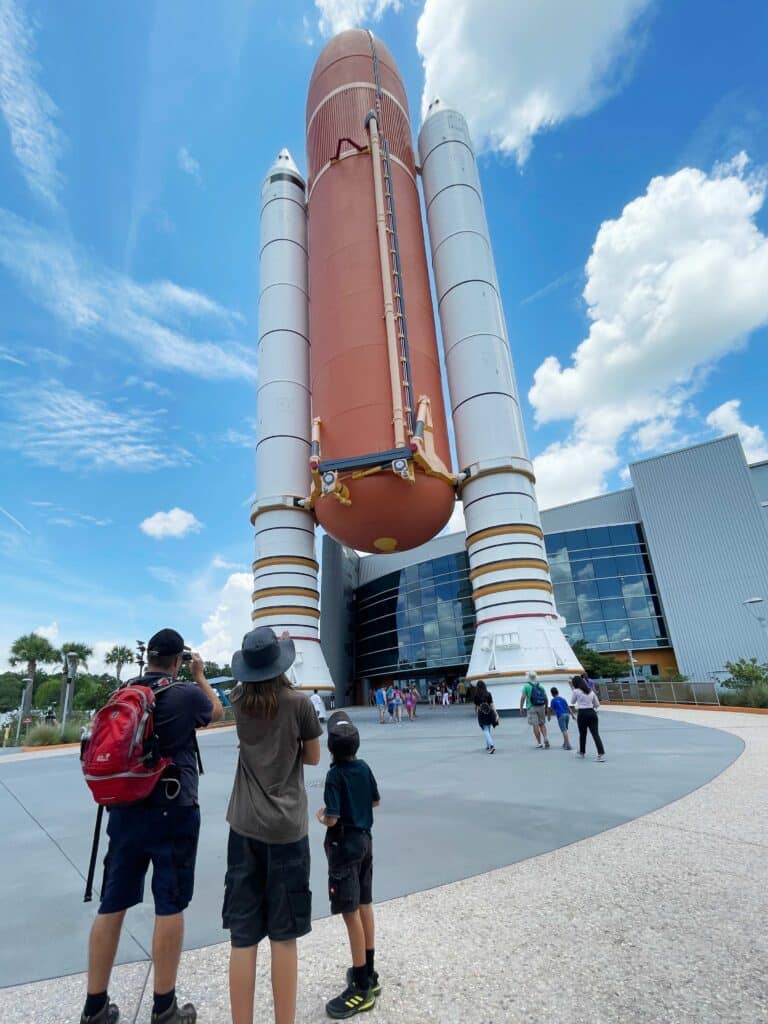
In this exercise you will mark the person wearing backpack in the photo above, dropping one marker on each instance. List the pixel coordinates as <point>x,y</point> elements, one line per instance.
<point>160,829</point>
<point>534,698</point>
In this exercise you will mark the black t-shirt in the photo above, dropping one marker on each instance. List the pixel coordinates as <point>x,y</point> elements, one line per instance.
<point>179,710</point>
<point>483,697</point>
<point>350,793</point>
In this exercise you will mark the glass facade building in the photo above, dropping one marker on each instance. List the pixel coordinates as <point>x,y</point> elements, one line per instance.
<point>419,621</point>
<point>416,621</point>
<point>605,589</point>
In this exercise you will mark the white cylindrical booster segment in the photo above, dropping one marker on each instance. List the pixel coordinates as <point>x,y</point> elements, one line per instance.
<point>285,595</point>
<point>518,628</point>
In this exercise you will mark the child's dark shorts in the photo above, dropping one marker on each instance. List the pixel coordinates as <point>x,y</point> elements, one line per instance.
<point>350,869</point>
<point>266,892</point>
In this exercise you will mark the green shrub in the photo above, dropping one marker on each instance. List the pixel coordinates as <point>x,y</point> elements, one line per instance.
<point>754,696</point>
<point>50,735</point>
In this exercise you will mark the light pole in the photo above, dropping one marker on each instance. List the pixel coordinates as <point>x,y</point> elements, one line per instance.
<point>72,660</point>
<point>631,657</point>
<point>141,647</point>
<point>26,704</point>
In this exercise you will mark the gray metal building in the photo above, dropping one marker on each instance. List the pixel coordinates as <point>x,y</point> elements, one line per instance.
<point>663,567</point>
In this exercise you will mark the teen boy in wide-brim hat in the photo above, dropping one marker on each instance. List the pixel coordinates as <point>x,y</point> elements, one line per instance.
<point>267,883</point>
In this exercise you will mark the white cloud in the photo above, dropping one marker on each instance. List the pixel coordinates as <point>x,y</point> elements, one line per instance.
<point>188,164</point>
<point>29,111</point>
<point>174,523</point>
<point>457,523</point>
<point>6,356</point>
<point>49,632</point>
<point>573,469</point>
<point>71,431</point>
<point>230,620</point>
<point>515,68</point>
<point>673,284</point>
<point>15,521</point>
<point>221,563</point>
<point>726,419</point>
<point>338,15</point>
<point>93,300</point>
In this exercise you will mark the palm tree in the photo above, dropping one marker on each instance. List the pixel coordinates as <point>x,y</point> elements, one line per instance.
<point>119,656</point>
<point>83,652</point>
<point>33,650</point>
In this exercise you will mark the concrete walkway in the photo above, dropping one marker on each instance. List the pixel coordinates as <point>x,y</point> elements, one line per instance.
<point>656,921</point>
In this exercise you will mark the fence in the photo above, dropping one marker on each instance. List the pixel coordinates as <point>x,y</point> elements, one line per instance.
<point>649,691</point>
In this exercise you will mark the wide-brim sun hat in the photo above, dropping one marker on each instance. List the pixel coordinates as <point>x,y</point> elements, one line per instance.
<point>263,656</point>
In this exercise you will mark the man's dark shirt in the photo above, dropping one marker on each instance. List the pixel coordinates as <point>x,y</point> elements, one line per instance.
<point>350,793</point>
<point>179,710</point>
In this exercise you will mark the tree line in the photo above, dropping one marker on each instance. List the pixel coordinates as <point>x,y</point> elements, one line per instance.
<point>35,657</point>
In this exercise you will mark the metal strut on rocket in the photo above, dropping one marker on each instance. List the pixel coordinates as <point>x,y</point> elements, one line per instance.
<point>371,461</point>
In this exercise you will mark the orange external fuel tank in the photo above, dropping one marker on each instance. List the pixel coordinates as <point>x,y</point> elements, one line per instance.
<point>367,257</point>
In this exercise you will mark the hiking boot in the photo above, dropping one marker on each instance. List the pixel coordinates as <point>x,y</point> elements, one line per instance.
<point>108,1014</point>
<point>373,980</point>
<point>353,1000</point>
<point>176,1014</point>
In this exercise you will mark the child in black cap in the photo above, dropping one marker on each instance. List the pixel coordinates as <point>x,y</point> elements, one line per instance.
<point>351,794</point>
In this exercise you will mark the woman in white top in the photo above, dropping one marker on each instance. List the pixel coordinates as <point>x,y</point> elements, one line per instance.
<point>585,702</point>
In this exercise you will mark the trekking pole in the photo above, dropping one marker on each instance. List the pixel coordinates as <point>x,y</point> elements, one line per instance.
<point>94,854</point>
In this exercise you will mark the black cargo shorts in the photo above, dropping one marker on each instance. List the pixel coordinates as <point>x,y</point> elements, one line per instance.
<point>266,891</point>
<point>350,869</point>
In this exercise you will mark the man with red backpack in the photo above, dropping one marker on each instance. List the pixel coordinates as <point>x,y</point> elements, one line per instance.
<point>161,829</point>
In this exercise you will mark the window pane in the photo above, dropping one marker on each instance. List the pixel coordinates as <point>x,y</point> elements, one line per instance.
<point>609,588</point>
<point>613,609</point>
<point>586,591</point>
<point>582,570</point>
<point>594,633</point>
<point>589,611</point>
<point>623,534</point>
<point>576,540</point>
<point>598,537</point>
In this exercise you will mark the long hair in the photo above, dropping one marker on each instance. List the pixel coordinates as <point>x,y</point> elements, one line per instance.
<point>481,687</point>
<point>578,683</point>
<point>260,700</point>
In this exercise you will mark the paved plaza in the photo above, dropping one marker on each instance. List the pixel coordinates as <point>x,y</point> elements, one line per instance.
<point>506,891</point>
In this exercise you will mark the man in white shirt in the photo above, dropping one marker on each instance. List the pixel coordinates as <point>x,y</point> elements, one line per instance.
<point>317,704</point>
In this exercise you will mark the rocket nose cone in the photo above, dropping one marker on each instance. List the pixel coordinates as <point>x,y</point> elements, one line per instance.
<point>284,164</point>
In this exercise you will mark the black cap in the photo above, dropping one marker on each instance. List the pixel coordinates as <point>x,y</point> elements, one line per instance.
<point>343,737</point>
<point>165,643</point>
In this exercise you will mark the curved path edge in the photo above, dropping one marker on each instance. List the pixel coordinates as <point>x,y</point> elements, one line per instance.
<point>656,921</point>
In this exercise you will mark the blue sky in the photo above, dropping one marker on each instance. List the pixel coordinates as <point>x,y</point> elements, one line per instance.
<point>624,163</point>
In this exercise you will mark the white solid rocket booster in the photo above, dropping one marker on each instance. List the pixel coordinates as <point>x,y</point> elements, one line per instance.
<point>285,569</point>
<point>518,628</point>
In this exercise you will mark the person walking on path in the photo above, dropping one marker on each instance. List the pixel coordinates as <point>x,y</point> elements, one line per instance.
<point>318,705</point>
<point>534,698</point>
<point>462,688</point>
<point>161,830</point>
<point>586,704</point>
<point>350,796</point>
<point>445,697</point>
<point>410,703</point>
<point>488,719</point>
<point>381,705</point>
<point>266,892</point>
<point>558,707</point>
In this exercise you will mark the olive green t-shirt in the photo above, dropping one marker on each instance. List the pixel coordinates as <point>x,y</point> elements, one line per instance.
<point>269,801</point>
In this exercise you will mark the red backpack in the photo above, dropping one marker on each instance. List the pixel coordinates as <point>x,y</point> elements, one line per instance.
<point>120,758</point>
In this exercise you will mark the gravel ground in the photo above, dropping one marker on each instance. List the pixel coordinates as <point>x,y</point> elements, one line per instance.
<point>658,921</point>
